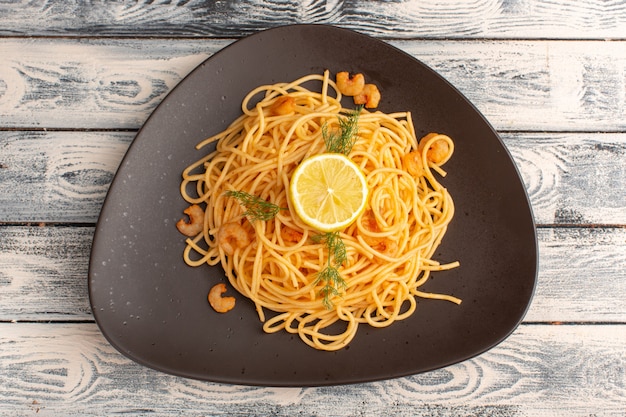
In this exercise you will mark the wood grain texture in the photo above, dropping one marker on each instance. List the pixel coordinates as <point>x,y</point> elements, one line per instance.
<point>572,179</point>
<point>580,272</point>
<point>592,19</point>
<point>519,85</point>
<point>64,176</point>
<point>115,84</point>
<point>78,78</point>
<point>43,274</point>
<point>67,173</point>
<point>86,82</point>
<point>539,370</point>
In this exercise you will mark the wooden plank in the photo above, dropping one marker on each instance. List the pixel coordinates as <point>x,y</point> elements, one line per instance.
<point>580,272</point>
<point>95,83</point>
<point>57,176</point>
<point>116,83</point>
<point>519,85</point>
<point>43,274</point>
<point>595,19</point>
<point>64,176</point>
<point>70,369</point>
<point>572,178</point>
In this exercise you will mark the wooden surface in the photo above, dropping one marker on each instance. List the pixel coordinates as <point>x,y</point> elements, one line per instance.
<point>77,79</point>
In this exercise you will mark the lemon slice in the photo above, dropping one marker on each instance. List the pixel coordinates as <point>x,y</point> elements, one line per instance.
<point>328,191</point>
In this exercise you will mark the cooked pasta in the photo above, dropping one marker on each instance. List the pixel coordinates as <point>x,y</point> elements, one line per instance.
<point>275,262</point>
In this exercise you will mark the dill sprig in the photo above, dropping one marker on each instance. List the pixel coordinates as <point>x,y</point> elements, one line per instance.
<point>343,140</point>
<point>332,280</point>
<point>340,141</point>
<point>330,275</point>
<point>256,207</point>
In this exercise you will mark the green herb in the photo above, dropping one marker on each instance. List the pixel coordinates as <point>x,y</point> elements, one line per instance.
<point>256,208</point>
<point>330,274</point>
<point>343,140</point>
<point>340,141</point>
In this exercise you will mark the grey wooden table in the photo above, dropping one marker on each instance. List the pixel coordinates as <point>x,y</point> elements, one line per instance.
<point>78,79</point>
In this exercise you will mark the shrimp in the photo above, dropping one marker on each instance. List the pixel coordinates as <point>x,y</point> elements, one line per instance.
<point>383,245</point>
<point>290,235</point>
<point>232,236</point>
<point>283,105</point>
<point>196,221</point>
<point>350,86</point>
<point>412,162</point>
<point>386,246</point>
<point>369,223</point>
<point>219,303</point>
<point>370,96</point>
<point>438,151</point>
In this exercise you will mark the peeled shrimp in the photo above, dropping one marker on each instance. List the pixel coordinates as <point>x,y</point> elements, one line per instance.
<point>438,151</point>
<point>369,223</point>
<point>196,221</point>
<point>386,246</point>
<point>283,105</point>
<point>383,245</point>
<point>350,86</point>
<point>232,236</point>
<point>219,303</point>
<point>412,162</point>
<point>290,235</point>
<point>369,95</point>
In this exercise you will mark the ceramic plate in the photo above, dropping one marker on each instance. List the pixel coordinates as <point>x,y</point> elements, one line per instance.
<point>152,307</point>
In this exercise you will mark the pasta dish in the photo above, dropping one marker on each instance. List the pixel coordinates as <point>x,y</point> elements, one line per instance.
<point>242,212</point>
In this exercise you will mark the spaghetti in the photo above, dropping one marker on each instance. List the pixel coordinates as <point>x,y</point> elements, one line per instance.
<point>275,262</point>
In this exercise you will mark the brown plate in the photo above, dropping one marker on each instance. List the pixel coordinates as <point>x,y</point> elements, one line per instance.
<point>153,308</point>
